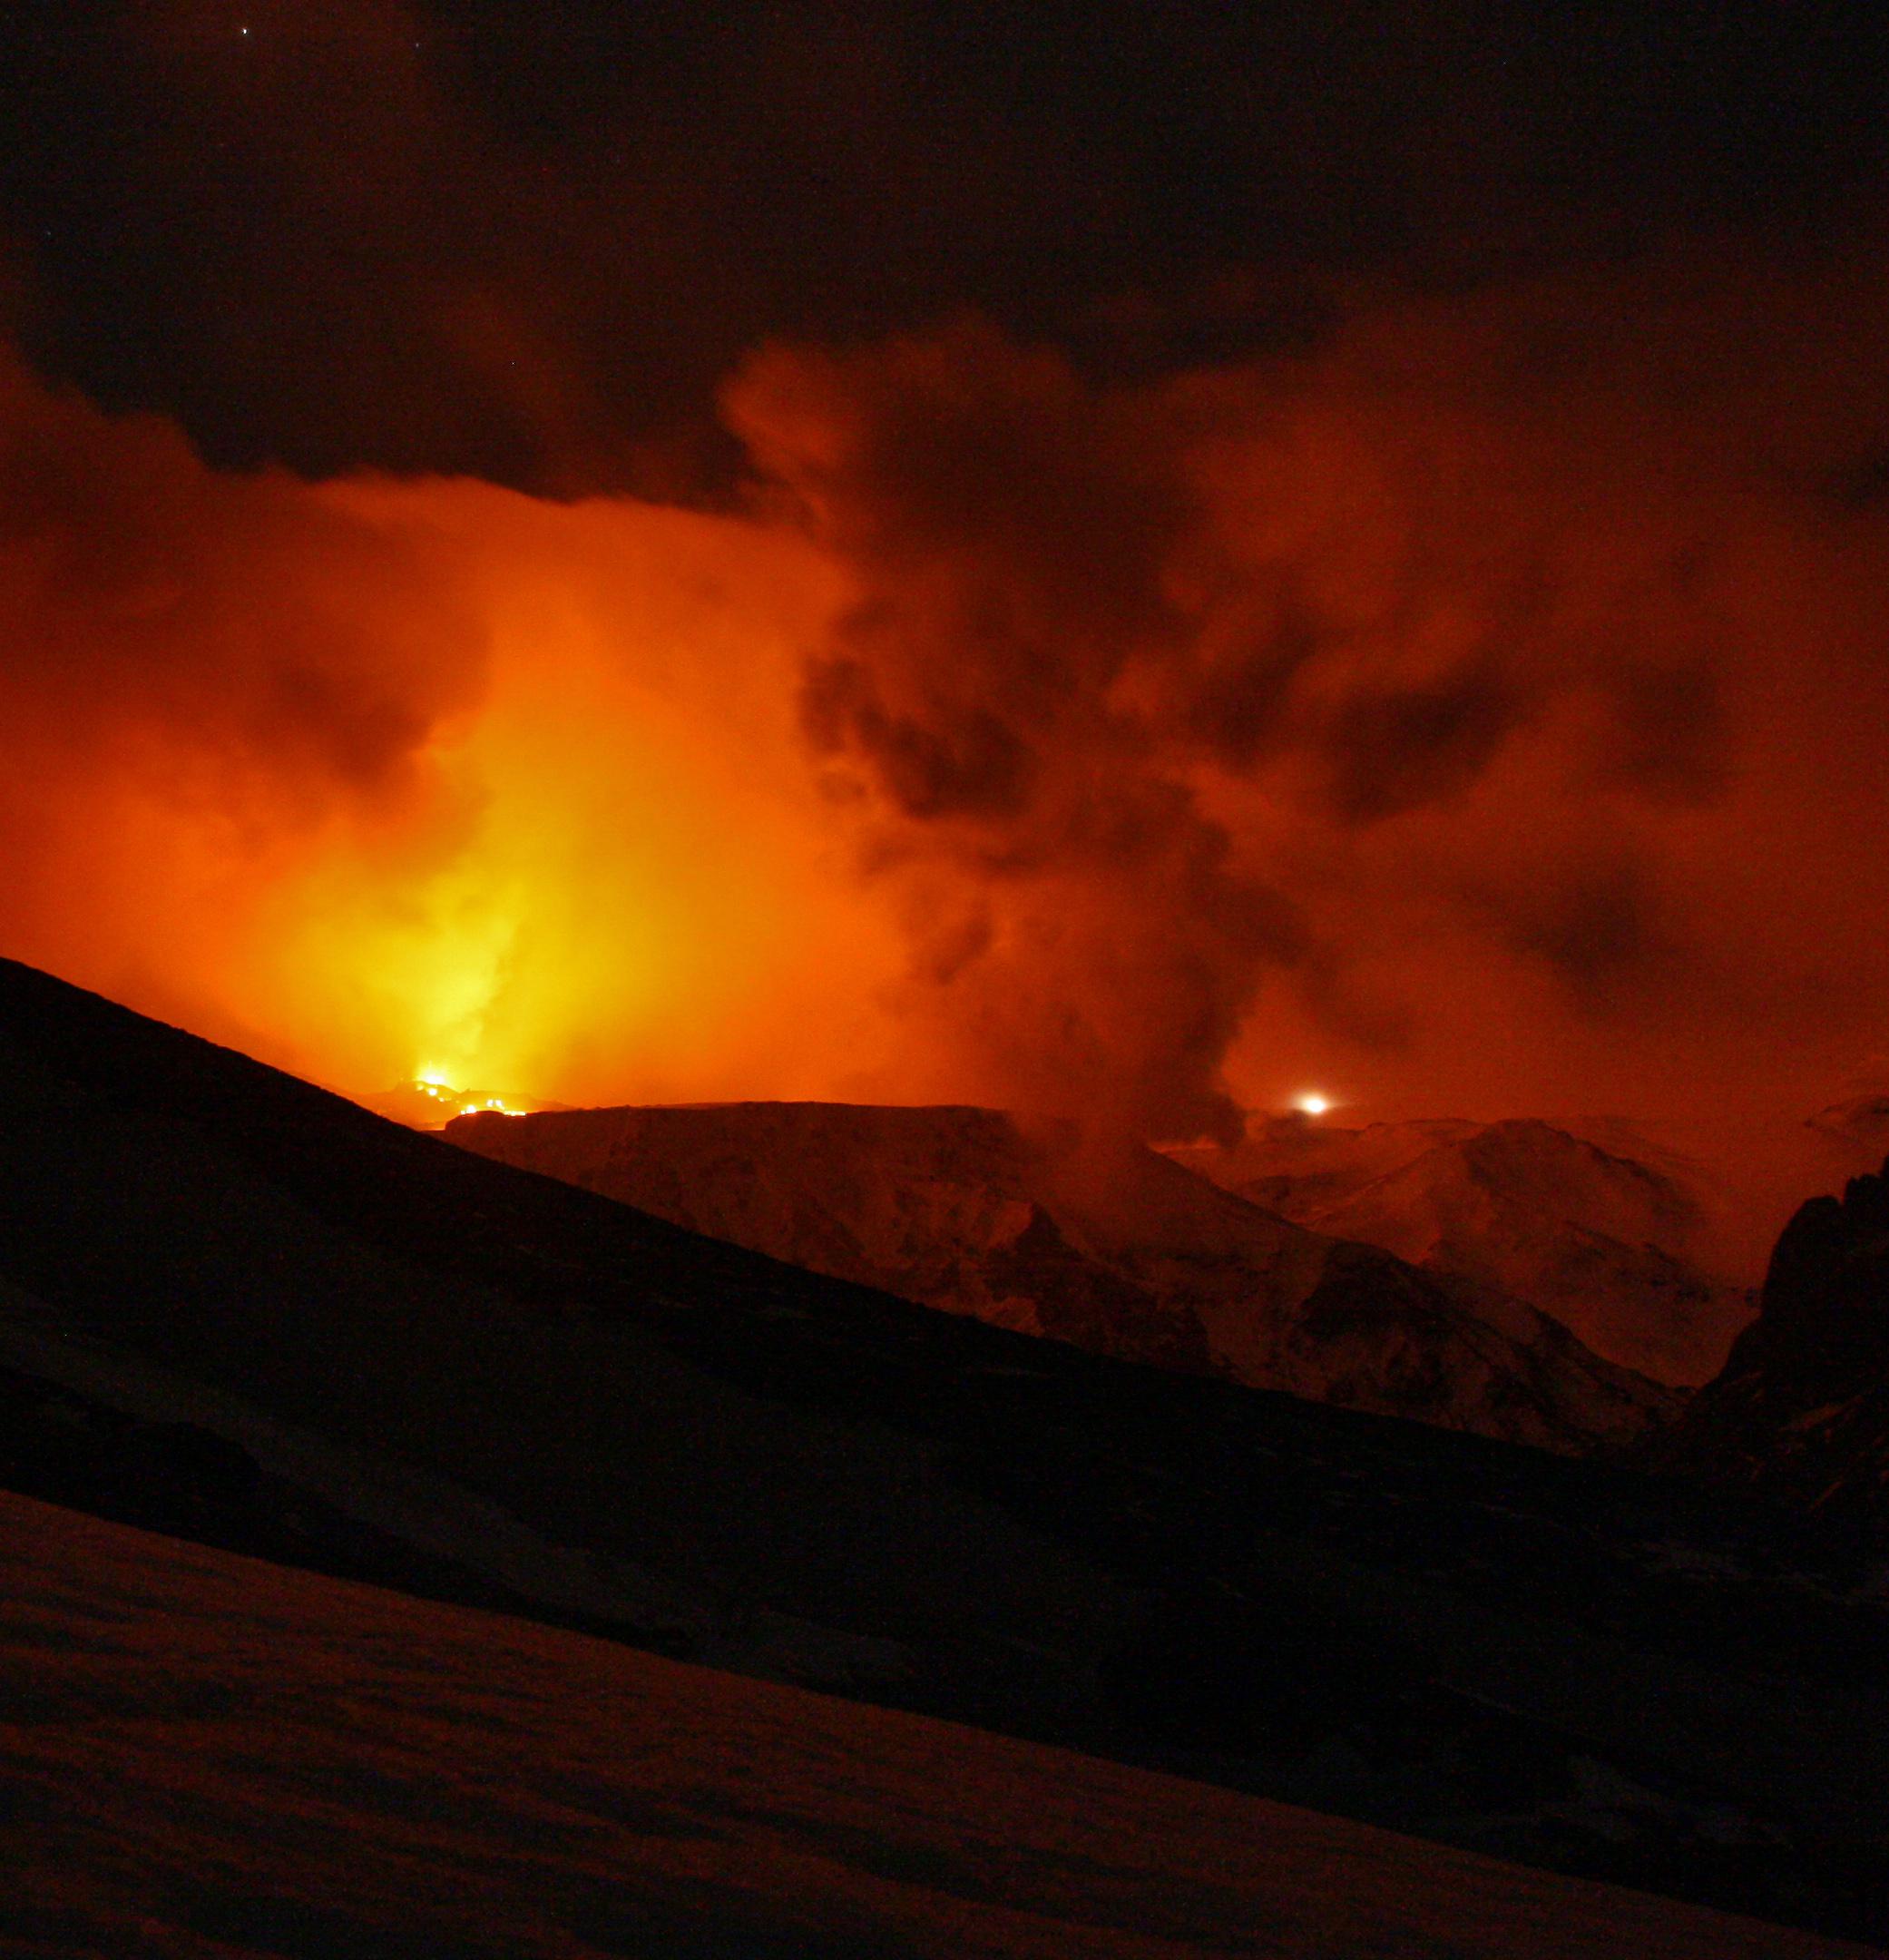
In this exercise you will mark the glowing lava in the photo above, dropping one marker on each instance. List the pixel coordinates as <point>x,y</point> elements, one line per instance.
<point>429,1103</point>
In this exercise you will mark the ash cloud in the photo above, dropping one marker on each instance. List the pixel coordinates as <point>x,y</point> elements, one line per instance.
<point>204,678</point>
<point>370,776</point>
<point>1520,620</point>
<point>1087,927</point>
<point>1484,702</point>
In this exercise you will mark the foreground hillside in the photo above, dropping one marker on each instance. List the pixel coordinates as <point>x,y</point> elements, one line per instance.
<point>222,1757</point>
<point>1609,1246</point>
<point>1117,1250</point>
<point>236,1309</point>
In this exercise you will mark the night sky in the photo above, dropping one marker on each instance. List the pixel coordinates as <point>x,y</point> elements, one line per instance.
<point>530,241</point>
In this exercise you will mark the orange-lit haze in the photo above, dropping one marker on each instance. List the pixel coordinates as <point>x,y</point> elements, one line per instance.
<point>1482,712</point>
<point>390,780</point>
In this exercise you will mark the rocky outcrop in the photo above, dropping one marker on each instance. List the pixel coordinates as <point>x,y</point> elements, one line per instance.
<point>1801,1408</point>
<point>1121,1251</point>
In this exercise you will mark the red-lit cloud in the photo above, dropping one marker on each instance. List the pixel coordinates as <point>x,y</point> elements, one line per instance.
<point>1481,711</point>
<point>1489,700</point>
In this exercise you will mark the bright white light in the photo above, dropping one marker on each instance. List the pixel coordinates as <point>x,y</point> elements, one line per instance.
<point>1313,1106</point>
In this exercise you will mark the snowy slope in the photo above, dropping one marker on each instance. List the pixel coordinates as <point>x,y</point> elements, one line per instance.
<point>223,1757</point>
<point>1121,1251</point>
<point>1606,1244</point>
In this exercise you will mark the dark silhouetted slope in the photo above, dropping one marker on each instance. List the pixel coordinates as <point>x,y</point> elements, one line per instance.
<point>1801,1410</point>
<point>241,1310</point>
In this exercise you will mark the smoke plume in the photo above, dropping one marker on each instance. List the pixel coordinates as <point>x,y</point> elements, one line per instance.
<point>1485,702</point>
<point>1480,709</point>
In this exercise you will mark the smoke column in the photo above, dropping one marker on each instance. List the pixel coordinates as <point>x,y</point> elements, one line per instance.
<point>1480,711</point>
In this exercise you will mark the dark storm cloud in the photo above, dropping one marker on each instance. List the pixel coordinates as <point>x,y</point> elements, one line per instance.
<point>530,241</point>
<point>1400,749</point>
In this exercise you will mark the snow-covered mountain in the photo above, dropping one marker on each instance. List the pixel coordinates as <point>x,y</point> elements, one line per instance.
<point>1119,1250</point>
<point>1605,1243</point>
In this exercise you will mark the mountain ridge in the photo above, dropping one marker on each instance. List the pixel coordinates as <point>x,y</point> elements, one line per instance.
<point>1603,1243</point>
<point>1113,1248</point>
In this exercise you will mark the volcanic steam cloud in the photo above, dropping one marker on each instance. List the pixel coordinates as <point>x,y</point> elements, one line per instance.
<point>1483,705</point>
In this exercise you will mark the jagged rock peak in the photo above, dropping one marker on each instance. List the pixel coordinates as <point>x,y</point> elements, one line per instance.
<point>1823,1312</point>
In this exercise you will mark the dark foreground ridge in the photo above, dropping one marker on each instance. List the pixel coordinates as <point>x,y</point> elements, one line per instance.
<point>236,1307</point>
<point>443,1783</point>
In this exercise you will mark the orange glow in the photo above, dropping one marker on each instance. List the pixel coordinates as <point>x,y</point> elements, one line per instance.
<point>1466,712</point>
<point>590,860</point>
